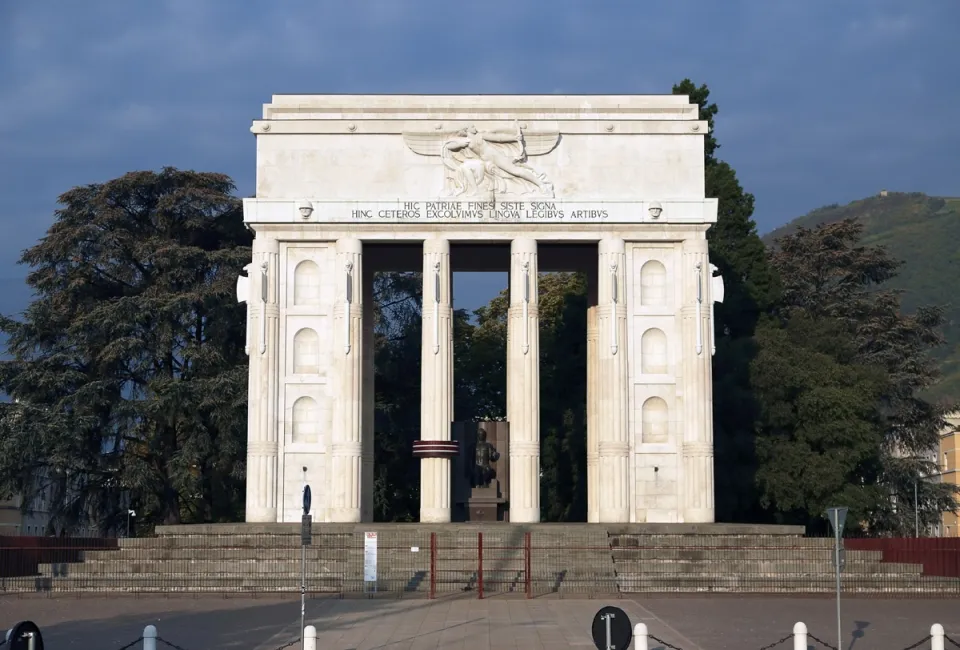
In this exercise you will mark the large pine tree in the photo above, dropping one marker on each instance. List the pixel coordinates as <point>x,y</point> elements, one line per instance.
<point>128,372</point>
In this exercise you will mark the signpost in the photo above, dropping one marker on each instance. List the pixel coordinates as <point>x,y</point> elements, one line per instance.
<point>306,524</point>
<point>837,518</point>
<point>611,629</point>
<point>370,562</point>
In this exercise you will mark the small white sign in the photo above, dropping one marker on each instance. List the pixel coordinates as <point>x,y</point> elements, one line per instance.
<point>370,557</point>
<point>414,549</point>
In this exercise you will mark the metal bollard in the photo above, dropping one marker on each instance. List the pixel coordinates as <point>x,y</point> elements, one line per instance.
<point>640,636</point>
<point>150,638</point>
<point>799,636</point>
<point>936,637</point>
<point>310,638</point>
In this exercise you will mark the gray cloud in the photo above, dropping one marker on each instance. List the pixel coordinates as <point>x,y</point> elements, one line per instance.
<point>820,101</point>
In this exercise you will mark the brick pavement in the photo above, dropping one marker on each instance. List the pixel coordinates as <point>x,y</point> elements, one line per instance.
<point>712,623</point>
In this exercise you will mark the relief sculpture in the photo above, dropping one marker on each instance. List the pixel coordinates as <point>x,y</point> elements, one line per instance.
<point>483,165</point>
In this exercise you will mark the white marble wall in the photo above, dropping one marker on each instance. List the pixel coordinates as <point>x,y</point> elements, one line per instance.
<point>308,377</point>
<point>650,438</point>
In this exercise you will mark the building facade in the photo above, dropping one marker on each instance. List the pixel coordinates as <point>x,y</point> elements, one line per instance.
<point>948,460</point>
<point>348,186</point>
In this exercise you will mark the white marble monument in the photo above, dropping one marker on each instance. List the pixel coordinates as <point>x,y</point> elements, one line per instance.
<point>344,181</point>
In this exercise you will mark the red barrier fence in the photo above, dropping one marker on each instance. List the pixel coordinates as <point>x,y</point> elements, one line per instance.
<point>940,556</point>
<point>20,556</point>
<point>496,566</point>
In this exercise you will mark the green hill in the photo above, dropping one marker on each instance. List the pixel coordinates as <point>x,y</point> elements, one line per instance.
<point>924,232</point>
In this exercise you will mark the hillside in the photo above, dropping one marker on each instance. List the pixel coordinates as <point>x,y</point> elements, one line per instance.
<point>924,232</point>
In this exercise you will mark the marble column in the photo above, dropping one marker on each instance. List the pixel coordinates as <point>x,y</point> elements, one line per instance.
<point>612,378</point>
<point>346,458</point>
<point>696,493</point>
<point>263,388</point>
<point>523,383</point>
<point>368,401</point>
<point>593,400</point>
<point>435,448</point>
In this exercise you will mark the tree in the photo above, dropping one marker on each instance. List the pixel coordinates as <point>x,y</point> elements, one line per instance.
<point>128,369</point>
<point>751,292</point>
<point>397,342</point>
<point>831,280</point>
<point>818,436</point>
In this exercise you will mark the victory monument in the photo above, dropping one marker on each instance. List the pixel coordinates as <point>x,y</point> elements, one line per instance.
<point>350,185</point>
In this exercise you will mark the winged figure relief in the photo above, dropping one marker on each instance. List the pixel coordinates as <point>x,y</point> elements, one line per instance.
<point>482,165</point>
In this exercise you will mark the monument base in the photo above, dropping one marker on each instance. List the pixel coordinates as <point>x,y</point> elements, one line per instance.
<point>486,506</point>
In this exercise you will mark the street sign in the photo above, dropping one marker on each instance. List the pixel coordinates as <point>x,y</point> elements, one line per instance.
<point>611,629</point>
<point>837,518</point>
<point>307,498</point>
<point>306,532</point>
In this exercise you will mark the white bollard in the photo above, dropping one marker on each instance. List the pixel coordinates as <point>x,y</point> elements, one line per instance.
<point>936,637</point>
<point>309,638</point>
<point>640,636</point>
<point>150,638</point>
<point>799,636</point>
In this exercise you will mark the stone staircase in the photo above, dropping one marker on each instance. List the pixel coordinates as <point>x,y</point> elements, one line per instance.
<point>564,559</point>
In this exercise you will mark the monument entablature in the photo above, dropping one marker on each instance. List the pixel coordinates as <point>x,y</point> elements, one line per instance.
<point>610,185</point>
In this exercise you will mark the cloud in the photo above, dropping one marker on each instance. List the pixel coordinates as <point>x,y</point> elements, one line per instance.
<point>819,100</point>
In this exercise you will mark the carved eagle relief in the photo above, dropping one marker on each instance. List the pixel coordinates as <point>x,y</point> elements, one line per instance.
<point>482,165</point>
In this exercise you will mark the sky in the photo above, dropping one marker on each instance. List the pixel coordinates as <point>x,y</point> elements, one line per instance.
<point>820,101</point>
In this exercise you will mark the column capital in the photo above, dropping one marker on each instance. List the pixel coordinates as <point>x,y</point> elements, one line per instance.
<point>523,245</point>
<point>695,245</point>
<point>350,245</point>
<point>439,245</point>
<point>612,246</point>
<point>265,244</point>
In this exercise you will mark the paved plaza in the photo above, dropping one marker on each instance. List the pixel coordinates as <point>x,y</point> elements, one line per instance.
<point>708,623</point>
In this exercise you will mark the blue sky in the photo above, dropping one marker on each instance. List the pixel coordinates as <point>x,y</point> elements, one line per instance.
<point>820,101</point>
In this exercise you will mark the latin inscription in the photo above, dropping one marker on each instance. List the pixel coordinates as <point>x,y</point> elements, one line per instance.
<point>473,211</point>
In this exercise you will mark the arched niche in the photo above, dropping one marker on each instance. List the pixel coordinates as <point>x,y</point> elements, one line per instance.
<point>653,284</point>
<point>305,425</point>
<point>306,284</point>
<point>653,352</point>
<point>306,352</point>
<point>655,421</point>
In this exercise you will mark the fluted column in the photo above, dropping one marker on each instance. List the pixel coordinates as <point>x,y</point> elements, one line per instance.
<point>593,400</point>
<point>368,401</point>
<point>613,446</point>
<point>523,383</point>
<point>263,387</point>
<point>436,388</point>
<point>346,466</point>
<point>697,495</point>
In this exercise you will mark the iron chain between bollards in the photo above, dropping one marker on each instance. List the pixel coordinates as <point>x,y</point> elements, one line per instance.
<point>663,643</point>
<point>919,643</point>
<point>952,642</point>
<point>131,644</point>
<point>160,639</point>
<point>775,644</point>
<point>821,642</point>
<point>288,644</point>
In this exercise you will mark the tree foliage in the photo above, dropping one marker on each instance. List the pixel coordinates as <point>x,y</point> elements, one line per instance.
<point>834,291</point>
<point>128,368</point>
